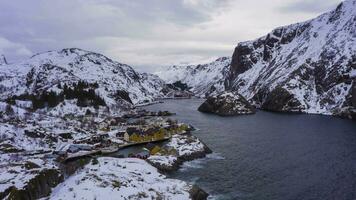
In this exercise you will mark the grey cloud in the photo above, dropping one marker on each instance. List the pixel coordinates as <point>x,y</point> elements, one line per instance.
<point>309,6</point>
<point>42,25</point>
<point>144,33</point>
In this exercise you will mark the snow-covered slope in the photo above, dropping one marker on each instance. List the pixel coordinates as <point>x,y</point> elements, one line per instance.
<point>114,82</point>
<point>303,67</point>
<point>202,79</point>
<point>125,178</point>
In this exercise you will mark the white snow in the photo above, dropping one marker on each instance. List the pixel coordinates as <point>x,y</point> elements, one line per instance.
<point>186,145</point>
<point>114,178</point>
<point>200,77</point>
<point>167,160</point>
<point>353,73</point>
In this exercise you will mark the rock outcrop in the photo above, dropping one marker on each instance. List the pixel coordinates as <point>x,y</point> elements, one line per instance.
<point>227,104</point>
<point>186,148</point>
<point>197,193</point>
<point>38,187</point>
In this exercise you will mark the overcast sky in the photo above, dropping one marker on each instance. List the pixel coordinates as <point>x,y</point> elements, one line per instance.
<point>146,34</point>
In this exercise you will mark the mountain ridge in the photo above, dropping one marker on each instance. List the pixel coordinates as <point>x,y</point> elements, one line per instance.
<point>303,67</point>
<point>84,71</point>
<point>307,67</point>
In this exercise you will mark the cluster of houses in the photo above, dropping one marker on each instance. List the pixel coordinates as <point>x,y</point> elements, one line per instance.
<point>152,149</point>
<point>145,113</point>
<point>119,132</point>
<point>147,133</point>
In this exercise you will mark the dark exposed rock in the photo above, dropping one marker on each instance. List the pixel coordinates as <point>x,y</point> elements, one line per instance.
<point>227,104</point>
<point>346,112</point>
<point>197,193</point>
<point>66,135</point>
<point>34,134</point>
<point>30,165</point>
<point>240,60</point>
<point>353,94</point>
<point>9,148</point>
<point>122,94</point>
<point>281,100</point>
<point>38,187</point>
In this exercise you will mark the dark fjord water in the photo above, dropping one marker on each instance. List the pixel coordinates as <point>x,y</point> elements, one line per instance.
<point>270,156</point>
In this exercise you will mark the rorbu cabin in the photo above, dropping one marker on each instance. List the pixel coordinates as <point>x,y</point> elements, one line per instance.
<point>131,134</point>
<point>120,134</point>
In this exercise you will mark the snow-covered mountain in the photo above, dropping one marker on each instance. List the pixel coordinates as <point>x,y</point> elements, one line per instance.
<point>3,60</point>
<point>73,75</point>
<point>202,79</point>
<point>304,67</point>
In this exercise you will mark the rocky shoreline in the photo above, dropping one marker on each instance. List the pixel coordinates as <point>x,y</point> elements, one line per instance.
<point>38,187</point>
<point>41,185</point>
<point>37,172</point>
<point>189,148</point>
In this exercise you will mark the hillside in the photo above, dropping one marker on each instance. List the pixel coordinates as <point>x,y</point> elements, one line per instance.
<point>75,76</point>
<point>304,67</point>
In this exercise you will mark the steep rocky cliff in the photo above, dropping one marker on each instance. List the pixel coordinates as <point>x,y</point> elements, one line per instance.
<point>304,67</point>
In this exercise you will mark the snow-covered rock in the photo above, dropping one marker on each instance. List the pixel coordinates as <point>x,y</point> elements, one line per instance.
<point>164,162</point>
<point>125,178</point>
<point>117,84</point>
<point>227,104</point>
<point>304,67</point>
<point>202,80</point>
<point>180,148</point>
<point>187,145</point>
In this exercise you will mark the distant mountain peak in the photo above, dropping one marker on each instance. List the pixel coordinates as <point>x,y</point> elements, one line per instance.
<point>202,79</point>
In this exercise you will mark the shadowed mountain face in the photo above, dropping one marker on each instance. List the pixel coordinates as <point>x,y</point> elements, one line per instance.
<point>304,67</point>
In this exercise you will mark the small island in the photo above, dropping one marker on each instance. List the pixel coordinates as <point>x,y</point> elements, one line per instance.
<point>227,104</point>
